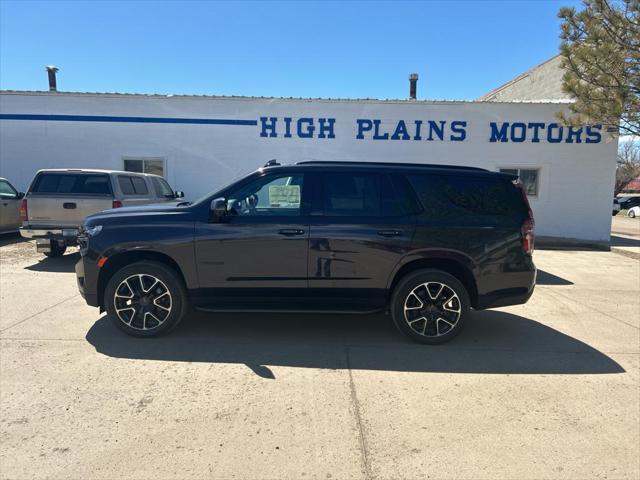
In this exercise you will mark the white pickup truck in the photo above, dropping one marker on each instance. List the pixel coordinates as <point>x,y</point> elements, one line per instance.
<point>58,200</point>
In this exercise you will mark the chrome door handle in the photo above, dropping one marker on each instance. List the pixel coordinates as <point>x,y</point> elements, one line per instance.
<point>289,232</point>
<point>389,233</point>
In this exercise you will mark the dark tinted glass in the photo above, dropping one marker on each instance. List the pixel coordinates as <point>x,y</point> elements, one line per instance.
<point>139,185</point>
<point>360,194</point>
<point>126,185</point>
<point>65,183</point>
<point>468,199</point>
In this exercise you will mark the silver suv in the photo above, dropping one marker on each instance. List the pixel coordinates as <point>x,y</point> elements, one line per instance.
<point>59,199</point>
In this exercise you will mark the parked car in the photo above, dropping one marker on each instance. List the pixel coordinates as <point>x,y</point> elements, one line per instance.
<point>616,207</point>
<point>58,200</point>
<point>9,207</point>
<point>426,243</point>
<point>633,212</point>
<point>629,202</point>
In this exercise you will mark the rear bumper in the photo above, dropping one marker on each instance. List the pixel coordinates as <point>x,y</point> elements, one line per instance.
<point>507,287</point>
<point>68,235</point>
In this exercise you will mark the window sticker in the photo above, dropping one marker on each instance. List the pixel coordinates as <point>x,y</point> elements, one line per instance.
<point>284,196</point>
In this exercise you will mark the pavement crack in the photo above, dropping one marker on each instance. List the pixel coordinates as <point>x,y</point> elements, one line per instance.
<point>38,313</point>
<point>364,450</point>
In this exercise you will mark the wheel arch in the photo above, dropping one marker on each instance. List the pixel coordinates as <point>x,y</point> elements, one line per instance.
<point>116,262</point>
<point>458,267</point>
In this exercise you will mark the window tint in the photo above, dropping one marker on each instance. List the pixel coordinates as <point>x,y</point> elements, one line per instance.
<point>471,199</point>
<point>140,186</point>
<point>268,195</point>
<point>126,185</point>
<point>163,189</point>
<point>360,194</point>
<point>6,190</point>
<point>86,184</point>
<point>131,185</point>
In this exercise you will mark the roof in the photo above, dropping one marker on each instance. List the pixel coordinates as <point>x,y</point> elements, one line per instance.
<point>248,98</point>
<point>89,170</point>
<point>532,75</point>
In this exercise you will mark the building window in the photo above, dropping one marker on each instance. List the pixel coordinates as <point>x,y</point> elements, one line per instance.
<point>154,166</point>
<point>528,177</point>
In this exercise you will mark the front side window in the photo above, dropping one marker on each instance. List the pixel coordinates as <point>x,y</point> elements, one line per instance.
<point>272,195</point>
<point>6,190</point>
<point>528,177</point>
<point>144,165</point>
<point>360,194</point>
<point>163,189</point>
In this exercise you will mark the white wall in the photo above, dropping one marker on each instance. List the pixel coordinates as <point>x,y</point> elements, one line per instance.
<point>576,185</point>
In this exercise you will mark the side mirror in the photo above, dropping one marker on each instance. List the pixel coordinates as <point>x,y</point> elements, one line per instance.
<point>218,208</point>
<point>20,195</point>
<point>179,194</point>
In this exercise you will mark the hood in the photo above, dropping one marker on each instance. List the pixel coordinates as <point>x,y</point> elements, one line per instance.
<point>126,214</point>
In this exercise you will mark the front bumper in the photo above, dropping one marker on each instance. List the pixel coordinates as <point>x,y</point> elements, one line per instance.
<point>87,280</point>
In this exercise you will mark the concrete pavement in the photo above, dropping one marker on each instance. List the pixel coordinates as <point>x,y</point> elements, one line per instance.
<point>550,389</point>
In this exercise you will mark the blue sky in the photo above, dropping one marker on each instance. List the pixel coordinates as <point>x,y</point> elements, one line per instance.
<point>461,49</point>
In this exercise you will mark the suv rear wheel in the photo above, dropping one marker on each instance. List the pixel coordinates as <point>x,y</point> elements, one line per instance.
<point>146,299</point>
<point>430,306</point>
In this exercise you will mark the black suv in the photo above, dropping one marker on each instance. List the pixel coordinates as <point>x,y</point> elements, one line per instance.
<point>423,242</point>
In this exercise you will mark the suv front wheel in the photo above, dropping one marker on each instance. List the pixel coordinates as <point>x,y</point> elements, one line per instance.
<point>430,306</point>
<point>146,299</point>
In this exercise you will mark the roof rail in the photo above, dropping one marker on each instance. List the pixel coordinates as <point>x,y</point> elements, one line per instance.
<point>391,164</point>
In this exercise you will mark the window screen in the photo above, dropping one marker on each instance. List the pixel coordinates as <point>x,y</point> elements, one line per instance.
<point>144,165</point>
<point>72,183</point>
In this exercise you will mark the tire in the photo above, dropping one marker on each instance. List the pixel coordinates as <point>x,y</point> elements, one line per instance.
<point>146,299</point>
<point>432,316</point>
<point>56,250</point>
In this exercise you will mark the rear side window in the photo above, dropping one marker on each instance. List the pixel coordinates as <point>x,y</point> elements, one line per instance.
<point>131,185</point>
<point>360,195</point>
<point>72,184</point>
<point>468,199</point>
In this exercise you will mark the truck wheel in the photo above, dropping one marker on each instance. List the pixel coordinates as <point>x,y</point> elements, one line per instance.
<point>146,299</point>
<point>57,250</point>
<point>430,306</point>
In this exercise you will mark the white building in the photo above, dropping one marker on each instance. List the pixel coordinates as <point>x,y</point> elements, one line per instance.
<point>202,143</point>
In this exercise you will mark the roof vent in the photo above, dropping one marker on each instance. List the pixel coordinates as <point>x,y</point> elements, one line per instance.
<point>52,70</point>
<point>413,86</point>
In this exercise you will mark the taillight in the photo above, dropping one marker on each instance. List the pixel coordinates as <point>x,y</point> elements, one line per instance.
<point>116,204</point>
<point>529,225</point>
<point>528,235</point>
<point>24,211</point>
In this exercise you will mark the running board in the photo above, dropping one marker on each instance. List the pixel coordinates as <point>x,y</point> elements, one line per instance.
<point>269,310</point>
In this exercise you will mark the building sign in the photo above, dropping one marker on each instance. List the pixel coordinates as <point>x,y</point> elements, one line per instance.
<point>429,130</point>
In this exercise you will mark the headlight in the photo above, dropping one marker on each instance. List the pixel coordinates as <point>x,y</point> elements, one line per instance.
<point>93,231</point>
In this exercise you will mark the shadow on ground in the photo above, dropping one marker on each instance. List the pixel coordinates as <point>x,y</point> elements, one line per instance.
<point>493,342</point>
<point>64,264</point>
<point>10,239</point>
<point>546,278</point>
<point>617,241</point>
